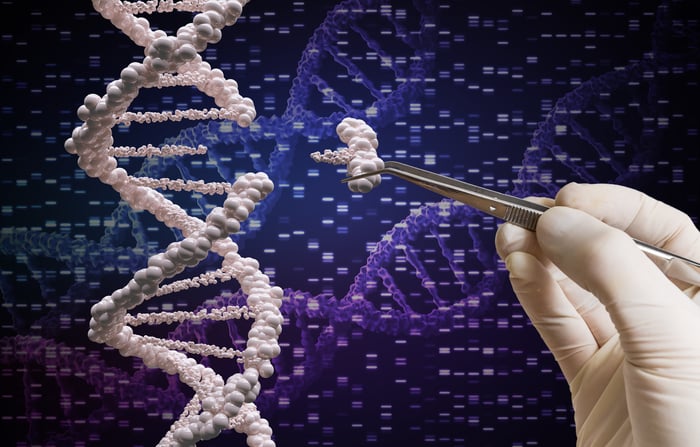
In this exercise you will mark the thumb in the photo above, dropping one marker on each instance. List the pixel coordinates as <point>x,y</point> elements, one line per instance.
<point>649,312</point>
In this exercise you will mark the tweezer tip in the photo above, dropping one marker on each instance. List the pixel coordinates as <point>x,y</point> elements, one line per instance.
<point>359,176</point>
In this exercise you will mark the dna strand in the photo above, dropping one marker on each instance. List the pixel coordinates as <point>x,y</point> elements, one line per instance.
<point>93,256</point>
<point>175,61</point>
<point>385,108</point>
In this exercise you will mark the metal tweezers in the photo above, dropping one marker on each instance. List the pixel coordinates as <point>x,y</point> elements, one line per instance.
<point>520,212</point>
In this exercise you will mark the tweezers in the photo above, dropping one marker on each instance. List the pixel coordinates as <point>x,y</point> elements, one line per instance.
<point>519,212</point>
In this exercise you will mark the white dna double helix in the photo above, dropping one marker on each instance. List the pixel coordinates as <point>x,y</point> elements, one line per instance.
<point>218,404</point>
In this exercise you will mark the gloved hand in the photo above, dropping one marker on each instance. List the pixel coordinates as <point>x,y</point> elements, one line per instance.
<point>626,337</point>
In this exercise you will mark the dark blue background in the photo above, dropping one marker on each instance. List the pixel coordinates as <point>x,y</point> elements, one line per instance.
<point>517,96</point>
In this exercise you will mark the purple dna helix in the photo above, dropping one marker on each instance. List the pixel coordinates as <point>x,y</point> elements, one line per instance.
<point>323,44</point>
<point>641,83</point>
<point>566,113</point>
<point>359,307</point>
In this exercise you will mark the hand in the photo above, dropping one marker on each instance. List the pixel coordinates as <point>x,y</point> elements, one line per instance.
<point>626,337</point>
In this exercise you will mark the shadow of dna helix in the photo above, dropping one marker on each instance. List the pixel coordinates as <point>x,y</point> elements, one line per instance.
<point>615,127</point>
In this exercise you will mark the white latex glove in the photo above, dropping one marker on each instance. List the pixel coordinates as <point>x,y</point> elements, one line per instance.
<point>626,338</point>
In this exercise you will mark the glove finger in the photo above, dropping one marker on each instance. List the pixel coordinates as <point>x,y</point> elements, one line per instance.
<point>591,310</point>
<point>561,327</point>
<point>649,312</point>
<point>510,238</point>
<point>637,214</point>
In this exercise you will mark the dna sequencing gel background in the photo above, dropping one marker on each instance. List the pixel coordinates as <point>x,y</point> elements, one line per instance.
<point>400,324</point>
